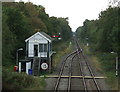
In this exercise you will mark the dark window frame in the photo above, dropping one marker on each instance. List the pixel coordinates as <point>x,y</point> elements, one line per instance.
<point>43,47</point>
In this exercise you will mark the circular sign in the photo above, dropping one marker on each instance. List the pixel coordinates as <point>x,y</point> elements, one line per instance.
<point>44,66</point>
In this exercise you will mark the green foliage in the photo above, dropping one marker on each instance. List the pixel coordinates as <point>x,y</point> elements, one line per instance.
<point>106,58</point>
<point>61,49</point>
<point>103,33</point>
<point>16,81</point>
<point>21,20</point>
<point>108,22</point>
<point>18,25</point>
<point>8,40</point>
<point>65,28</point>
<point>103,38</point>
<point>107,61</point>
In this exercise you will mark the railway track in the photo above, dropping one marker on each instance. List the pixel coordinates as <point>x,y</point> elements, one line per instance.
<point>70,80</point>
<point>89,67</point>
<point>71,72</point>
<point>61,71</point>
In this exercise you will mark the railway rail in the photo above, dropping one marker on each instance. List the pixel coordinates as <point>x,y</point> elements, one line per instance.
<point>61,71</point>
<point>89,67</point>
<point>77,53</point>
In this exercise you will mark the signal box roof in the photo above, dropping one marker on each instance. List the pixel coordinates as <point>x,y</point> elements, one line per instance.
<point>43,34</point>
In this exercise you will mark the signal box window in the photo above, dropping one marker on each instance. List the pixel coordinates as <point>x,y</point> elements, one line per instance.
<point>45,47</point>
<point>42,47</point>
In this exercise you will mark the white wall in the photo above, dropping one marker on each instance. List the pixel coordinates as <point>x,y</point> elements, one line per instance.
<point>36,40</point>
<point>30,50</point>
<point>43,54</point>
<point>28,66</point>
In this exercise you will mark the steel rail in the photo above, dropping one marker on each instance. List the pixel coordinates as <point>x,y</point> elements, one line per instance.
<point>80,64</point>
<point>89,67</point>
<point>61,71</point>
<point>81,69</point>
<point>69,79</point>
<point>91,72</point>
<point>70,71</point>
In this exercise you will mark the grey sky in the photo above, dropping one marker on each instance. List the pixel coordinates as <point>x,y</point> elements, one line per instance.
<point>76,10</point>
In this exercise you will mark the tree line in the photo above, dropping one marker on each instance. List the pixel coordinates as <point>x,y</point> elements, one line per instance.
<point>102,33</point>
<point>21,20</point>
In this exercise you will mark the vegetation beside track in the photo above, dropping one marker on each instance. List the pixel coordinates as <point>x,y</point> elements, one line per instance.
<point>61,49</point>
<point>26,19</point>
<point>100,62</point>
<point>102,37</point>
<point>21,81</point>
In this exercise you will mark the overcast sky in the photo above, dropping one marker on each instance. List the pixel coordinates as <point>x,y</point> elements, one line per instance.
<point>76,10</point>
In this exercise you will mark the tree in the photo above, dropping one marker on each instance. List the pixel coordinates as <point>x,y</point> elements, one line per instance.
<point>103,33</point>
<point>8,40</point>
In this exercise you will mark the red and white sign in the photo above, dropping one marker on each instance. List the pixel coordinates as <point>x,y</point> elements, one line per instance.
<point>44,66</point>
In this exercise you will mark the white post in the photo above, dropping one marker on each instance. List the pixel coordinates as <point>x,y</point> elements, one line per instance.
<point>19,67</point>
<point>116,66</point>
<point>27,67</point>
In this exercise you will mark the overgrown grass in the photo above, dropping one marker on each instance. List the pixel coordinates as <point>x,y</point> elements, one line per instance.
<point>104,63</point>
<point>62,49</point>
<point>107,61</point>
<point>21,81</point>
<point>93,58</point>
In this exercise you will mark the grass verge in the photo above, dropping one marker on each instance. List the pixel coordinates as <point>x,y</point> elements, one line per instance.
<point>20,81</point>
<point>62,49</point>
<point>105,64</point>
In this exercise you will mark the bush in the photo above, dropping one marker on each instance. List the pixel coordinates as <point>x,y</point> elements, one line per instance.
<point>20,81</point>
<point>61,49</point>
<point>108,62</point>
